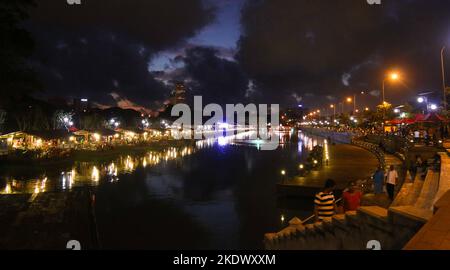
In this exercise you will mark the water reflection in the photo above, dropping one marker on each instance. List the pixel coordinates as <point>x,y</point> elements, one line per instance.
<point>226,190</point>
<point>92,173</point>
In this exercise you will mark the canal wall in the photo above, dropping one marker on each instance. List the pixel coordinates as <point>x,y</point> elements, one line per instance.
<point>333,136</point>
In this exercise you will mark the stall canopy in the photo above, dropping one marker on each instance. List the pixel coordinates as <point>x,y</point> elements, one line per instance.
<point>402,121</point>
<point>430,118</point>
<point>420,118</point>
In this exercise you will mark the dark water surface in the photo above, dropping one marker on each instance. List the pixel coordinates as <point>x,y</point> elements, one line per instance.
<point>211,196</point>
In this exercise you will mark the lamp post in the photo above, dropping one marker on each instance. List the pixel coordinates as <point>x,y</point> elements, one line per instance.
<point>422,100</point>
<point>349,100</point>
<point>283,176</point>
<point>443,78</point>
<point>332,106</point>
<point>355,108</point>
<point>392,77</point>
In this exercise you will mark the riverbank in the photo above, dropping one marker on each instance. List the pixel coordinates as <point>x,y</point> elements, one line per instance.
<point>92,155</point>
<point>347,163</point>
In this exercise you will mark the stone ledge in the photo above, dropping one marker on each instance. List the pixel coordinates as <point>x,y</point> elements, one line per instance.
<point>444,201</point>
<point>414,213</point>
<point>374,211</point>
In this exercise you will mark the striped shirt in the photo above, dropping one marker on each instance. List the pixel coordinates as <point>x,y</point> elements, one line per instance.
<point>325,205</point>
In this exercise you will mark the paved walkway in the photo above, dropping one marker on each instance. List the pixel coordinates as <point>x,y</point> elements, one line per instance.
<point>435,235</point>
<point>347,163</point>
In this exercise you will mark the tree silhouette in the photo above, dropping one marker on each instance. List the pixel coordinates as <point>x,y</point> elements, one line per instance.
<point>16,45</point>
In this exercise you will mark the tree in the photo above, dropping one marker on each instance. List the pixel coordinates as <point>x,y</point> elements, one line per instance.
<point>2,118</point>
<point>62,120</point>
<point>31,118</point>
<point>16,45</point>
<point>92,121</point>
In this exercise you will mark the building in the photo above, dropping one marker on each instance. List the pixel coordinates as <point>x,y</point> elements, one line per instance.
<point>178,95</point>
<point>81,104</point>
<point>33,140</point>
<point>292,116</point>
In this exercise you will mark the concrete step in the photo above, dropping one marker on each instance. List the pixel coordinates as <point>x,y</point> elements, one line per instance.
<point>319,227</point>
<point>412,197</point>
<point>402,195</point>
<point>352,218</point>
<point>310,228</point>
<point>374,211</point>
<point>429,190</point>
<point>328,226</point>
<point>444,180</point>
<point>414,213</point>
<point>339,221</point>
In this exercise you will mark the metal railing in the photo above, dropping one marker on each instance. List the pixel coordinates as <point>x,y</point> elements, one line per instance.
<point>375,149</point>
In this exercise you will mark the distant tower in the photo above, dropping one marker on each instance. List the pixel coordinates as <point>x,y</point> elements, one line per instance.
<point>81,104</point>
<point>178,94</point>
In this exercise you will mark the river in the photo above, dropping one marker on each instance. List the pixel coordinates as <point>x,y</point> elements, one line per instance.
<point>214,195</point>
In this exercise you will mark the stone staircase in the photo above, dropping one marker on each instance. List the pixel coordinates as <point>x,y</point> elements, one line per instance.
<point>349,231</point>
<point>416,199</point>
<point>393,227</point>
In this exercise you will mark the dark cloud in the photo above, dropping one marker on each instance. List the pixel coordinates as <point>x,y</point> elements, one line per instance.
<point>158,24</point>
<point>306,46</point>
<point>95,66</point>
<point>217,79</point>
<point>104,46</point>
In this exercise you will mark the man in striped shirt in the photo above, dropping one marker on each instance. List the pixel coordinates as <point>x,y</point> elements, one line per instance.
<point>325,203</point>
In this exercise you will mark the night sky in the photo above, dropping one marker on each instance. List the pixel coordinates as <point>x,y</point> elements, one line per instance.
<point>129,53</point>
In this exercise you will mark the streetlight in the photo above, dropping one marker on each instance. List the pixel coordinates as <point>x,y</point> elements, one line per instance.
<point>393,77</point>
<point>350,100</point>
<point>332,106</point>
<point>422,100</point>
<point>283,176</point>
<point>433,107</point>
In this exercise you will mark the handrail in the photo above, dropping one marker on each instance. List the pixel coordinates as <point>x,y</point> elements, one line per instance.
<point>313,216</point>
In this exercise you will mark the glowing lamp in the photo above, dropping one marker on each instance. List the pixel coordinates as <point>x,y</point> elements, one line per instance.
<point>97,136</point>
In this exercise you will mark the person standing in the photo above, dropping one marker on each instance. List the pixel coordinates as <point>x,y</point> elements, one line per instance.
<point>378,179</point>
<point>325,203</point>
<point>418,166</point>
<point>391,181</point>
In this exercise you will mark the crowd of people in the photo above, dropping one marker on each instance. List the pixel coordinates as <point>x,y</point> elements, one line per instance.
<point>326,205</point>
